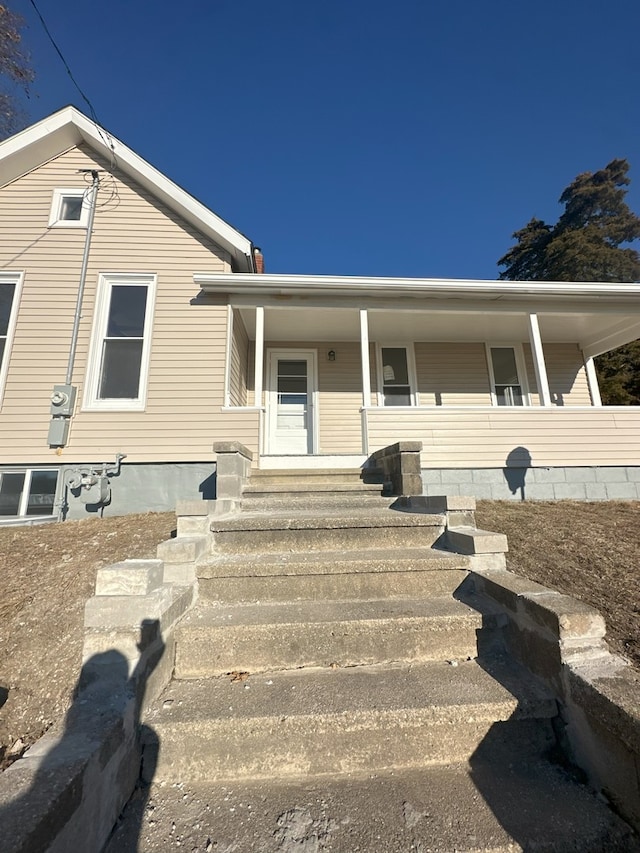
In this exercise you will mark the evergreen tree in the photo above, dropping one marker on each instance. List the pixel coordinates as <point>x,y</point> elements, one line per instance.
<point>586,244</point>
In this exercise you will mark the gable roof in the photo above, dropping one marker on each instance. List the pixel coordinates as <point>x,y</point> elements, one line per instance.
<point>69,127</point>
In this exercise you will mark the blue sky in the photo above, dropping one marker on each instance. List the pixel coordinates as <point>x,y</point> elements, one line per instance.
<point>358,138</point>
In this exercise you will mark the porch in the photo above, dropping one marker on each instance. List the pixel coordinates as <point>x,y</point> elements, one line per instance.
<point>484,374</point>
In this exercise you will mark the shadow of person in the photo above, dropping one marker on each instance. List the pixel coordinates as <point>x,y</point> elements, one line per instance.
<point>66,793</point>
<point>515,470</point>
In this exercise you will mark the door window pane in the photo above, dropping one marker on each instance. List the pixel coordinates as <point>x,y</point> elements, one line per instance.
<point>292,368</point>
<point>288,385</point>
<point>292,394</point>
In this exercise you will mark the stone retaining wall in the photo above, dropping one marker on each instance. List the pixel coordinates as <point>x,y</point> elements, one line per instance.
<point>561,640</point>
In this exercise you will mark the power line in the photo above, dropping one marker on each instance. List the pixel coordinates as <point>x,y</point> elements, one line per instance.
<point>94,116</point>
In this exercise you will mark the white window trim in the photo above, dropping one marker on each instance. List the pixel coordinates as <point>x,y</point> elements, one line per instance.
<point>26,491</point>
<point>56,203</point>
<point>15,278</point>
<point>91,402</point>
<point>520,367</point>
<point>411,369</point>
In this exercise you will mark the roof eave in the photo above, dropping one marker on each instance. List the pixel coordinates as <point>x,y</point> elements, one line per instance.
<point>408,287</point>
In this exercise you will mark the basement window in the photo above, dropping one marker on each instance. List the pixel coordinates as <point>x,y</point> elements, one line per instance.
<point>69,209</point>
<point>29,492</point>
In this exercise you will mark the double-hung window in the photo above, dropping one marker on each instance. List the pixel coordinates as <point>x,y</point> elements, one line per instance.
<point>10,286</point>
<point>508,376</point>
<point>121,342</point>
<point>396,372</point>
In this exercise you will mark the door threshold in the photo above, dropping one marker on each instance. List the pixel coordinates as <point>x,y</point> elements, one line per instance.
<point>312,460</point>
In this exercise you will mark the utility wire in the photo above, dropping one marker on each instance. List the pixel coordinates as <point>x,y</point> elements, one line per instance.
<point>94,116</point>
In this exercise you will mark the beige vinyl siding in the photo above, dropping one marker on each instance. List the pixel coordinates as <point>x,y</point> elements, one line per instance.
<point>566,375</point>
<point>132,233</point>
<point>241,425</point>
<point>340,393</point>
<point>561,436</point>
<point>452,374</point>
<point>340,384</point>
<point>239,362</point>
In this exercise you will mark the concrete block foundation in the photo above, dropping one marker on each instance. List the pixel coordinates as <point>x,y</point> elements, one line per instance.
<point>579,483</point>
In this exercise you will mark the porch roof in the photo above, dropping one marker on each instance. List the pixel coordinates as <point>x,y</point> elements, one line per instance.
<point>326,285</point>
<point>596,316</point>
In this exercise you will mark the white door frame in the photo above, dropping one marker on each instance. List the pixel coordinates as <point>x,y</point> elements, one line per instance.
<point>311,357</point>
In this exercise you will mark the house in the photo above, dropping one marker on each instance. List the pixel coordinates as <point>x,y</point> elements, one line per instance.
<point>136,328</point>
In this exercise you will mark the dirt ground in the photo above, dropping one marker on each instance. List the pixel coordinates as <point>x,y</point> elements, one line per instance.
<point>47,573</point>
<point>588,550</point>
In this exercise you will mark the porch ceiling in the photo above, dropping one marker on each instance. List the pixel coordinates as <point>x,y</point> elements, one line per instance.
<point>594,332</point>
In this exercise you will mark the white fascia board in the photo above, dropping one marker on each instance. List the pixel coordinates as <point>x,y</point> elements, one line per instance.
<point>372,286</point>
<point>68,127</point>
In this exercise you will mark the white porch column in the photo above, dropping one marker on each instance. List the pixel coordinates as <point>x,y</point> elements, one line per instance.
<point>592,382</point>
<point>364,352</point>
<point>259,357</point>
<point>227,363</point>
<point>538,360</point>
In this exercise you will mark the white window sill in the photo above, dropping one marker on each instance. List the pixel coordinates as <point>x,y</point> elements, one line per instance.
<point>24,520</point>
<point>115,406</point>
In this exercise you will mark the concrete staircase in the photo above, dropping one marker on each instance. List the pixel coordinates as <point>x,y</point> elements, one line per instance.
<point>337,687</point>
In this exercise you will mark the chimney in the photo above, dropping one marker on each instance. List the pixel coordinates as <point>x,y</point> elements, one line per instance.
<point>258,258</point>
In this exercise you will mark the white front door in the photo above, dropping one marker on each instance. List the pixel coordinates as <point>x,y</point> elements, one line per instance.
<point>290,401</point>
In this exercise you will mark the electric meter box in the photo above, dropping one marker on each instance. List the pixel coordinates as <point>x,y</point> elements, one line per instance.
<point>58,432</point>
<point>63,400</point>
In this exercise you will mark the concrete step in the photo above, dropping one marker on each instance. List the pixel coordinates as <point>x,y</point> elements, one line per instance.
<point>215,639</point>
<point>304,487</point>
<point>496,804</point>
<point>355,720</point>
<point>347,496</point>
<point>330,575</point>
<point>327,476</point>
<point>319,501</point>
<point>249,532</point>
